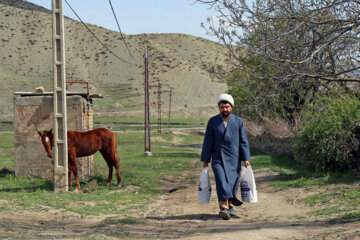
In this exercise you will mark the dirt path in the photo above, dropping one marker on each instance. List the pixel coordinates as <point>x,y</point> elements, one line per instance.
<point>176,214</point>
<point>278,215</point>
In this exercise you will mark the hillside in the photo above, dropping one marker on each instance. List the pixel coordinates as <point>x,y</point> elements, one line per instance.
<point>179,61</point>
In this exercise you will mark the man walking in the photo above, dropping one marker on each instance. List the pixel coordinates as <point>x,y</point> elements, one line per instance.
<point>226,145</point>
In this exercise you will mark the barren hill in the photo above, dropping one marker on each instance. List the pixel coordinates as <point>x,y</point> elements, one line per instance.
<point>179,61</point>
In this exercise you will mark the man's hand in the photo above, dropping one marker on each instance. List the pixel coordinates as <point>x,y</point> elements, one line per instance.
<point>247,163</point>
<point>205,164</point>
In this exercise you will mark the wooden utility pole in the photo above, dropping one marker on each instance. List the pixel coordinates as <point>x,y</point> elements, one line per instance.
<point>147,106</point>
<point>59,98</point>
<point>159,107</point>
<point>170,94</point>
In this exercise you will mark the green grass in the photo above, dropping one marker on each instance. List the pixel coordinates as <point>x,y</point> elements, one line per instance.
<point>132,127</point>
<point>118,233</point>
<point>348,216</point>
<point>352,195</point>
<point>341,198</point>
<point>6,127</point>
<point>183,120</point>
<point>127,220</point>
<point>120,94</point>
<point>146,173</point>
<point>113,226</point>
<point>316,199</point>
<point>95,237</point>
<point>295,174</point>
<point>326,211</point>
<point>137,123</point>
<point>336,200</point>
<point>171,157</point>
<point>6,151</point>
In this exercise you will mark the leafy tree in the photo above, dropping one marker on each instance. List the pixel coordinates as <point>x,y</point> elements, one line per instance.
<point>288,52</point>
<point>259,98</point>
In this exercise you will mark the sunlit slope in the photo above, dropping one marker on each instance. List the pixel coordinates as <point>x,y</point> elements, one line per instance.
<point>179,61</point>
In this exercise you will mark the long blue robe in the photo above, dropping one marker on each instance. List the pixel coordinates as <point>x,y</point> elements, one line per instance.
<point>226,148</point>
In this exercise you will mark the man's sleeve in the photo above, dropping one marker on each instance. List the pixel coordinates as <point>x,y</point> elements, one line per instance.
<point>208,144</point>
<point>244,149</point>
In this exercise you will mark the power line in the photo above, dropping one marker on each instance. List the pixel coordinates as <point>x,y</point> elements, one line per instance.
<point>117,22</point>
<point>93,34</point>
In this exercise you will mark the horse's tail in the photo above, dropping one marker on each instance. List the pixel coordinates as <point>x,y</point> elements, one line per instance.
<point>114,147</point>
<point>116,158</point>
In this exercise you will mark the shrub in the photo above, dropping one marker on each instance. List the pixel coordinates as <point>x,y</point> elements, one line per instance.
<point>326,138</point>
<point>258,97</point>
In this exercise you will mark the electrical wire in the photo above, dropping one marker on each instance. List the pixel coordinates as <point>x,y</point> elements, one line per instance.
<point>117,22</point>
<point>93,34</point>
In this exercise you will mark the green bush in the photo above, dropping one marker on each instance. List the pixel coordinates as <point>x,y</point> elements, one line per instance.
<point>326,139</point>
<point>258,97</point>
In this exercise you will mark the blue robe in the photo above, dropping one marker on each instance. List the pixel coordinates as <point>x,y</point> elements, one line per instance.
<point>226,147</point>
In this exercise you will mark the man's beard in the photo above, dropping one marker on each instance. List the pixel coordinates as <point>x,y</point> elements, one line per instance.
<point>225,114</point>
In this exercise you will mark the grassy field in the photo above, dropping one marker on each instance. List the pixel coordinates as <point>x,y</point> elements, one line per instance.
<point>137,123</point>
<point>133,123</point>
<point>143,178</point>
<point>175,120</point>
<point>339,197</point>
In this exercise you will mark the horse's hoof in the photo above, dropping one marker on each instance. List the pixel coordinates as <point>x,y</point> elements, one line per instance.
<point>119,185</point>
<point>76,190</point>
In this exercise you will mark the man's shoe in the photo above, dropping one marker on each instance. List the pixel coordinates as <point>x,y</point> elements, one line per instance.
<point>232,212</point>
<point>224,214</point>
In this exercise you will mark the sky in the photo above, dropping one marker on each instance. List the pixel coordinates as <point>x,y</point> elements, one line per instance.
<point>141,16</point>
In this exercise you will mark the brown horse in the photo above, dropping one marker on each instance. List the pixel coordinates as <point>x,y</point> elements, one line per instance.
<point>82,144</point>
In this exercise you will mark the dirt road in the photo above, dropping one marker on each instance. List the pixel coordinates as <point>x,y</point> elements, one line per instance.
<point>277,215</point>
<point>176,214</point>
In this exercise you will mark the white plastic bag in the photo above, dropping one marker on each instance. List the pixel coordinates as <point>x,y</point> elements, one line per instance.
<point>204,186</point>
<point>248,186</point>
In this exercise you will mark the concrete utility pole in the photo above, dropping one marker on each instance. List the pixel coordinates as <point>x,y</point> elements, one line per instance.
<point>147,106</point>
<point>170,94</point>
<point>159,107</point>
<point>59,98</point>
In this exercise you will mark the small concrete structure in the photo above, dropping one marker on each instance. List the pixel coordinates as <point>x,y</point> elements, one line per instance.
<point>34,112</point>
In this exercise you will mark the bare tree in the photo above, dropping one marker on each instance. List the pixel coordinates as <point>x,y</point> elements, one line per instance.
<point>291,47</point>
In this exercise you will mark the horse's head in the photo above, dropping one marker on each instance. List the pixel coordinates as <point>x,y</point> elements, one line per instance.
<point>47,139</point>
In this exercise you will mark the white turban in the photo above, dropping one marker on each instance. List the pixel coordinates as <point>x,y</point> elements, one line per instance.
<point>225,97</point>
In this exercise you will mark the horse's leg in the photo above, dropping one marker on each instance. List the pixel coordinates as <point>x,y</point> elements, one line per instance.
<point>117,166</point>
<point>72,163</point>
<point>69,170</point>
<point>69,175</point>
<point>115,158</point>
<point>110,165</point>
<point>77,186</point>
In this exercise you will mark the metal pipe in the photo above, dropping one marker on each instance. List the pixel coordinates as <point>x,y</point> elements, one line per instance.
<point>87,87</point>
